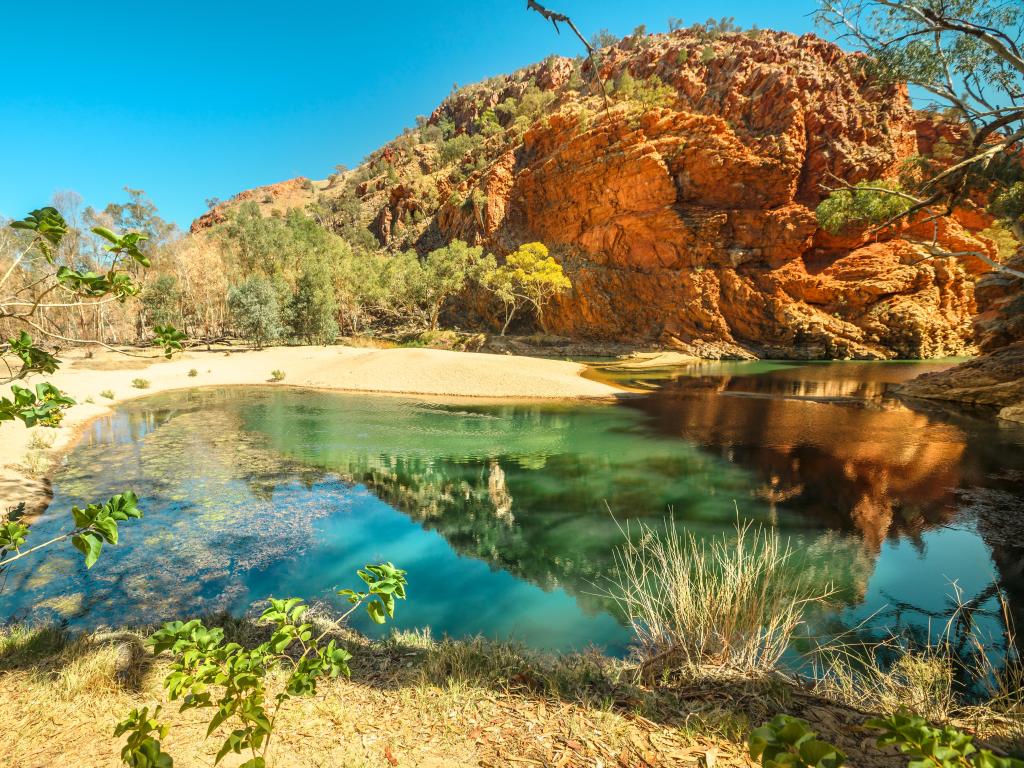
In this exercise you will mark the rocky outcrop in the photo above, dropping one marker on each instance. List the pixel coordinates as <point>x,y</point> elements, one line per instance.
<point>685,216</point>
<point>693,224</point>
<point>293,193</point>
<point>996,379</point>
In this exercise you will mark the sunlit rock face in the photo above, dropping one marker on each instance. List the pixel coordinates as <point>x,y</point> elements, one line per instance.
<point>691,222</point>
<point>694,224</point>
<point>996,379</point>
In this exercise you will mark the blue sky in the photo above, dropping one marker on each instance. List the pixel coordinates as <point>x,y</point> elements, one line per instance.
<point>189,100</point>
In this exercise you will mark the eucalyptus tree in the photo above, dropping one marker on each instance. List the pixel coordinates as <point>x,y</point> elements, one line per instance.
<point>37,279</point>
<point>966,57</point>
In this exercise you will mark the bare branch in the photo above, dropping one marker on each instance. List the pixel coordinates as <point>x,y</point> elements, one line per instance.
<point>935,252</point>
<point>560,18</point>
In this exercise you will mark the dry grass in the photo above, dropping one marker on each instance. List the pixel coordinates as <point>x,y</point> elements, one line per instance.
<point>953,679</point>
<point>411,701</point>
<point>35,464</point>
<point>734,602</point>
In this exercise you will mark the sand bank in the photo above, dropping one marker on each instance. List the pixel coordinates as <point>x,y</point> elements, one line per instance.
<point>420,372</point>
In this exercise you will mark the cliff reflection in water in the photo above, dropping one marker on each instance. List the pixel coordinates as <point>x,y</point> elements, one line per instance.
<point>506,507</point>
<point>832,443</point>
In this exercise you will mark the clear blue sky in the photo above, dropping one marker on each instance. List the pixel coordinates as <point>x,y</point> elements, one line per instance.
<point>189,100</point>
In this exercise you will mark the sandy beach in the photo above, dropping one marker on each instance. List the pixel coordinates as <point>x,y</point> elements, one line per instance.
<point>428,373</point>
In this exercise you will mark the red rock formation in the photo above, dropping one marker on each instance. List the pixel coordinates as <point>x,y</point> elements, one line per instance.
<point>694,224</point>
<point>996,379</point>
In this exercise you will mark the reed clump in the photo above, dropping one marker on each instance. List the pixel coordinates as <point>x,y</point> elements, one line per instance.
<point>734,601</point>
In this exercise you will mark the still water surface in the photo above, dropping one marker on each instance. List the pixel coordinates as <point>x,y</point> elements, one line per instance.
<point>503,513</point>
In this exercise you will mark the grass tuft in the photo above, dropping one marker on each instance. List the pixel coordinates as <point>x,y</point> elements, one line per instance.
<point>140,383</point>
<point>731,602</point>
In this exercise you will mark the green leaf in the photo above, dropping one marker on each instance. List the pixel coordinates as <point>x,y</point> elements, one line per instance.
<point>106,234</point>
<point>90,545</point>
<point>821,754</point>
<point>376,611</point>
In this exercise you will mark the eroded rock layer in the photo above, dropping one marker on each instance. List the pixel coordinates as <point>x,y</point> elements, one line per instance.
<point>689,220</point>
<point>995,379</point>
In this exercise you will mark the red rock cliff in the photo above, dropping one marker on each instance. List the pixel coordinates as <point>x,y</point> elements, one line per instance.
<point>689,220</point>
<point>694,222</point>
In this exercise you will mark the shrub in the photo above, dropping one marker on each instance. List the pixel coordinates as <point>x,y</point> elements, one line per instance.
<point>1006,243</point>
<point>945,747</point>
<point>788,742</point>
<point>529,276</point>
<point>846,209</point>
<point>192,372</point>
<point>256,310</point>
<point>446,273</point>
<point>734,601</point>
<point>314,306</point>
<point>35,464</point>
<point>209,673</point>
<point>277,375</point>
<point>140,383</point>
<point>455,148</point>
<point>107,393</point>
<point>603,39</point>
<point>162,300</point>
<point>39,442</point>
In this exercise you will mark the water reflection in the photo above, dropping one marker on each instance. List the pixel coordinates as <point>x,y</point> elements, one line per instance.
<point>501,512</point>
<point>832,443</point>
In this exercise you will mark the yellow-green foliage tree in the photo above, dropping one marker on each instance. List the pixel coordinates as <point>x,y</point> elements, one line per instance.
<point>529,277</point>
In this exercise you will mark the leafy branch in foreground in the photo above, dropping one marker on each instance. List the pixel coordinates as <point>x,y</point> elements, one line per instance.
<point>204,663</point>
<point>46,229</point>
<point>95,524</point>
<point>932,747</point>
<point>966,56</point>
<point>144,734</point>
<point>43,406</point>
<point>789,742</point>
<point>41,234</point>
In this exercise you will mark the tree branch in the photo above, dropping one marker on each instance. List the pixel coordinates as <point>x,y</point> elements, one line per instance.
<point>560,18</point>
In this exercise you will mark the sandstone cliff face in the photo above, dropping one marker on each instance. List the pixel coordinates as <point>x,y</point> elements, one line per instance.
<point>694,224</point>
<point>996,379</point>
<point>690,220</point>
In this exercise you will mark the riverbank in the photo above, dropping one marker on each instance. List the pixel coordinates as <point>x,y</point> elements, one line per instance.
<point>411,701</point>
<point>103,380</point>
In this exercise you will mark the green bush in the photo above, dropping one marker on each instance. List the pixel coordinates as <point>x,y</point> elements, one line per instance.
<point>107,393</point>
<point>209,673</point>
<point>846,209</point>
<point>455,148</point>
<point>277,375</point>
<point>929,746</point>
<point>256,310</point>
<point>192,373</point>
<point>788,742</point>
<point>140,383</point>
<point>162,300</point>
<point>314,307</point>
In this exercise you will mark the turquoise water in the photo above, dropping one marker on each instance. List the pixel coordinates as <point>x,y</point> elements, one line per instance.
<point>503,514</point>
